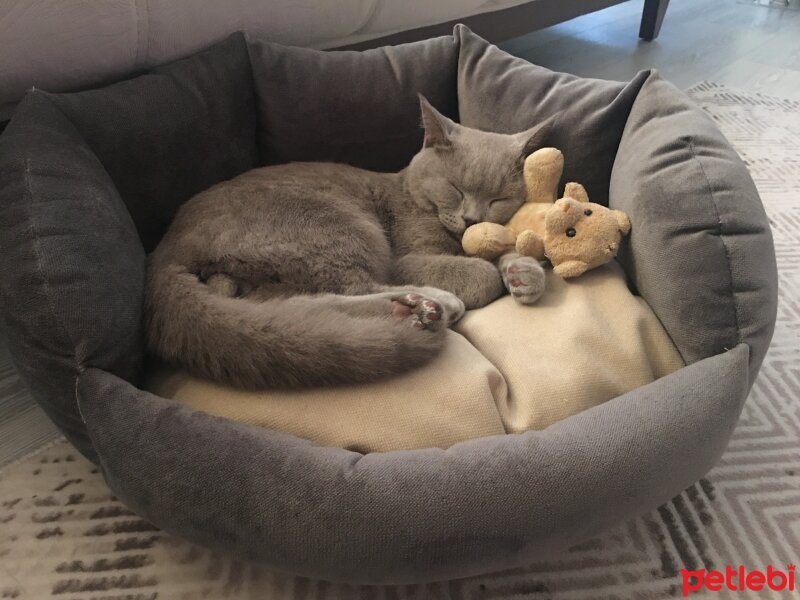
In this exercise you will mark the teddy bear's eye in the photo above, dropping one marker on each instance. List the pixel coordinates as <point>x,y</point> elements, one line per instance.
<point>571,232</point>
<point>588,212</point>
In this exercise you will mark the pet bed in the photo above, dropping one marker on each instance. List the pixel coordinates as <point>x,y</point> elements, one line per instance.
<point>90,180</point>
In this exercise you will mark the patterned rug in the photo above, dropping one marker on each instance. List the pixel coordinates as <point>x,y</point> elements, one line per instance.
<point>63,535</point>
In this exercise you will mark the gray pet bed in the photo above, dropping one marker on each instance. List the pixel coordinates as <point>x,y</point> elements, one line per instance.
<point>89,181</point>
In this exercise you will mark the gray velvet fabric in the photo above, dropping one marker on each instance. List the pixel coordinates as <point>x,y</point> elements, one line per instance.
<point>410,516</point>
<point>700,250</point>
<point>173,132</point>
<point>71,264</point>
<point>359,108</point>
<point>498,92</point>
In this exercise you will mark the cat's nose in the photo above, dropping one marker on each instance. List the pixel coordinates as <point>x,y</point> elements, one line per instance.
<point>469,222</point>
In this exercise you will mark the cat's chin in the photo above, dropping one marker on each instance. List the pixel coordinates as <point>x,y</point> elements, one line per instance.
<point>456,236</point>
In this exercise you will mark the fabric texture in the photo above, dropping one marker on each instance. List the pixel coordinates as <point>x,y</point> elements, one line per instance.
<point>359,108</point>
<point>499,92</point>
<point>673,160</point>
<point>584,342</point>
<point>452,398</point>
<point>414,515</point>
<point>71,264</point>
<point>512,368</point>
<point>171,133</point>
<point>53,44</point>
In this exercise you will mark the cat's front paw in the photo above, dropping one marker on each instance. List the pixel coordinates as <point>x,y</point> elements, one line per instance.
<point>524,278</point>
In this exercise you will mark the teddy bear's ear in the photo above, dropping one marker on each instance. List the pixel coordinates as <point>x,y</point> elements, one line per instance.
<point>570,268</point>
<point>623,222</point>
<point>534,138</point>
<point>576,191</point>
<point>438,128</point>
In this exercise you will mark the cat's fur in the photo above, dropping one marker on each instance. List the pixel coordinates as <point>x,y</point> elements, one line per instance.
<point>317,273</point>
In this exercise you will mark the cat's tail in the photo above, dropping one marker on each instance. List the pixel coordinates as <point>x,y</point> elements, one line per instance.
<point>280,342</point>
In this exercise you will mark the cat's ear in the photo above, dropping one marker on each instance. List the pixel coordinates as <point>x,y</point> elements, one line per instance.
<point>535,137</point>
<point>438,128</point>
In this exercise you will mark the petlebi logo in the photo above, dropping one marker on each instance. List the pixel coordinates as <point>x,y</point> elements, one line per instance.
<point>739,579</point>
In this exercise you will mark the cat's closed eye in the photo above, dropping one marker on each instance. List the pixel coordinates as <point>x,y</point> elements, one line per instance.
<point>458,192</point>
<point>498,201</point>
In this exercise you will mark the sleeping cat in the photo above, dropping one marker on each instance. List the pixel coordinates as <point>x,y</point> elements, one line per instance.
<point>319,273</point>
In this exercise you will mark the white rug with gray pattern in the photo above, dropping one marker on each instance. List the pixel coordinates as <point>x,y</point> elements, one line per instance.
<point>63,535</point>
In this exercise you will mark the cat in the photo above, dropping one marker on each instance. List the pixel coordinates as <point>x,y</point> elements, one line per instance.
<point>309,274</point>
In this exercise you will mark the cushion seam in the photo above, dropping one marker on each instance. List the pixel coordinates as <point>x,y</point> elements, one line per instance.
<point>46,285</point>
<point>78,366</point>
<point>721,236</point>
<point>37,253</point>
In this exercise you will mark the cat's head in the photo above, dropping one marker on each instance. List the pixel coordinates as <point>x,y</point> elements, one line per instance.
<point>468,176</point>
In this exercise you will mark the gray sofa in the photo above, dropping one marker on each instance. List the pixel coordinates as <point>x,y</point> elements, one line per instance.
<point>90,180</point>
<point>72,44</point>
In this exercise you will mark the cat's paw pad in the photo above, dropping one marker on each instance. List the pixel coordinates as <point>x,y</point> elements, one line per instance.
<point>423,312</point>
<point>525,280</point>
<point>452,306</point>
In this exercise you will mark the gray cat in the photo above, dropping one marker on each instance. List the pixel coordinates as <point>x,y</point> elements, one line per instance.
<point>318,273</point>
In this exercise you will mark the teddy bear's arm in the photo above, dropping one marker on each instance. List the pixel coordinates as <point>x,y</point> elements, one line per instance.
<point>487,240</point>
<point>542,172</point>
<point>530,243</point>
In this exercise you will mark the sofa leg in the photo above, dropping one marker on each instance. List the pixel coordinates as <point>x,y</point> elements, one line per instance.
<point>652,17</point>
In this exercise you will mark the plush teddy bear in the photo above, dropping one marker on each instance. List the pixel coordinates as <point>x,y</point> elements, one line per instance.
<point>578,235</point>
<point>542,172</point>
<point>574,234</point>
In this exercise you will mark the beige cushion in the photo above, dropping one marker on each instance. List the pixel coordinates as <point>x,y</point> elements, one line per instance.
<point>585,341</point>
<point>509,368</point>
<point>452,398</point>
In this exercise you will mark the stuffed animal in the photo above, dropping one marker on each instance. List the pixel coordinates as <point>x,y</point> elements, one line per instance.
<point>579,235</point>
<point>542,172</point>
<point>574,234</point>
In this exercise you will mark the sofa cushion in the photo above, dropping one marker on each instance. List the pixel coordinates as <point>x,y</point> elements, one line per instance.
<point>72,265</point>
<point>498,92</point>
<point>359,108</point>
<point>710,275</point>
<point>510,368</point>
<point>171,133</point>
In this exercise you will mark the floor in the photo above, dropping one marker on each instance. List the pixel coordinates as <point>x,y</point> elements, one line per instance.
<point>741,43</point>
<point>752,45</point>
<point>23,425</point>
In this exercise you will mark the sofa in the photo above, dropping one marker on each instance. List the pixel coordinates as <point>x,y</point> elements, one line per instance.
<point>71,44</point>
